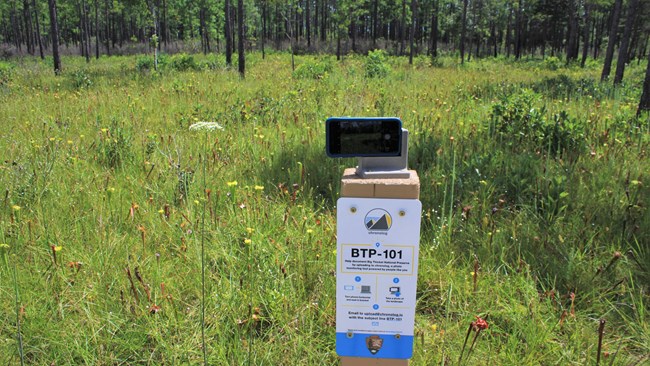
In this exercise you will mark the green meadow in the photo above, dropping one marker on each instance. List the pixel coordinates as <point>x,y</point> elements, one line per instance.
<point>127,237</point>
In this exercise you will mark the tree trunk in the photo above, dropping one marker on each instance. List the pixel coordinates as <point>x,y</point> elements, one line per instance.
<point>54,30</point>
<point>374,23</point>
<point>519,29</point>
<point>611,42</point>
<point>27,15</point>
<point>263,28</point>
<point>434,30</point>
<point>323,24</point>
<point>585,34</point>
<point>240,38</point>
<point>412,35</point>
<point>96,30</point>
<point>625,41</point>
<point>82,29</point>
<point>644,103</point>
<point>403,29</point>
<point>572,37</point>
<point>87,32</point>
<point>509,32</point>
<point>227,35</point>
<point>107,29</point>
<point>38,31</point>
<point>463,32</point>
<point>308,23</point>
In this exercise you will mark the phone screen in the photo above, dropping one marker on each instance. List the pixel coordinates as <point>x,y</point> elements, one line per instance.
<point>365,137</point>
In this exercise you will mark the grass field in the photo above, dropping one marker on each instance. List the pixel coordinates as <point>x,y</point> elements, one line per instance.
<point>535,191</point>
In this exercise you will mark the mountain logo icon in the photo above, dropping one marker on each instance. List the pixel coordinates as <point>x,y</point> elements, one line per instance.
<point>378,220</point>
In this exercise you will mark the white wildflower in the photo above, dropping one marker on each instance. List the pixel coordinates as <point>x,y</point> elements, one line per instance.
<point>208,126</point>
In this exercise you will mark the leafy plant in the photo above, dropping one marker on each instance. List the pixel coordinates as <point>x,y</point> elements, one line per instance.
<point>376,65</point>
<point>81,79</point>
<point>318,69</point>
<point>114,147</point>
<point>183,62</point>
<point>144,63</point>
<point>6,72</point>
<point>516,117</point>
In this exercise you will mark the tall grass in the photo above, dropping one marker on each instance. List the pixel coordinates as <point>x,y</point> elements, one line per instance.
<point>544,182</point>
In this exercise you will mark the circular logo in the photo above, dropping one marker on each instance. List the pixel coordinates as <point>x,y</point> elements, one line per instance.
<point>378,220</point>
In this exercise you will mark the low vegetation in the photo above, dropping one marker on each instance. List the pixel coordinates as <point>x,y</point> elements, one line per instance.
<point>535,186</point>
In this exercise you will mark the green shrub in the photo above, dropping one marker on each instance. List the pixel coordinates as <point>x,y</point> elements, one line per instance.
<point>213,62</point>
<point>114,146</point>
<point>563,86</point>
<point>515,116</point>
<point>183,62</point>
<point>552,63</point>
<point>6,72</point>
<point>519,122</point>
<point>318,69</point>
<point>376,65</point>
<point>144,63</point>
<point>81,79</point>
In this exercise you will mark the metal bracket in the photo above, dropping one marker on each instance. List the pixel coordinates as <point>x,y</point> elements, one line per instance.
<point>386,167</point>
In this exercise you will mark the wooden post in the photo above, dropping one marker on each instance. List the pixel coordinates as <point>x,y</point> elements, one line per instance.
<point>398,188</point>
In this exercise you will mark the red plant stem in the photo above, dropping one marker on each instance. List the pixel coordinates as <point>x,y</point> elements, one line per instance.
<point>135,293</point>
<point>601,329</point>
<point>469,330</point>
<point>471,347</point>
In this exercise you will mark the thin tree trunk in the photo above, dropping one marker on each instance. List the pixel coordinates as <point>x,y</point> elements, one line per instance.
<point>263,27</point>
<point>463,32</point>
<point>644,103</point>
<point>96,30</point>
<point>611,42</point>
<point>585,34</point>
<point>27,15</point>
<point>38,31</point>
<point>107,28</point>
<point>572,37</point>
<point>402,29</point>
<point>519,29</point>
<point>412,35</point>
<point>82,29</point>
<point>374,22</point>
<point>54,30</point>
<point>228,35</point>
<point>323,24</point>
<point>308,22</point>
<point>87,25</point>
<point>509,32</point>
<point>240,38</point>
<point>434,30</point>
<point>625,41</point>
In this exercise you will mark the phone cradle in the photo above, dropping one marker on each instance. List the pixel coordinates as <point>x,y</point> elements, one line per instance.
<point>386,167</point>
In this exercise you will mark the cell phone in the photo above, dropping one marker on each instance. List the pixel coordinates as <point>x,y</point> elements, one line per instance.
<point>363,137</point>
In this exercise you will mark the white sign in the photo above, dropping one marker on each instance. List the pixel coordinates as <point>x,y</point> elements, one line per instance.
<point>376,276</point>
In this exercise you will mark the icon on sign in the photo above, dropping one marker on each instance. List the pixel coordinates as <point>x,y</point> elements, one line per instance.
<point>365,289</point>
<point>348,287</point>
<point>375,324</point>
<point>374,344</point>
<point>378,220</point>
<point>393,290</point>
<point>357,279</point>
